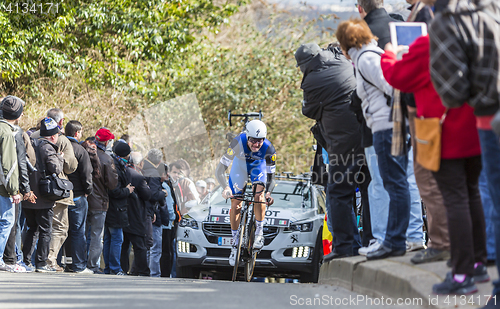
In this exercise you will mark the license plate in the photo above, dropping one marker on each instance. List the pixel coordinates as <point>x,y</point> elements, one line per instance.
<point>225,241</point>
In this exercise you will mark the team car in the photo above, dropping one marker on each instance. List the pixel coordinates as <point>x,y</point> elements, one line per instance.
<point>292,231</point>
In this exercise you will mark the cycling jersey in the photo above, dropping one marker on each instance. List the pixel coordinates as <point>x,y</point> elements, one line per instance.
<point>246,163</point>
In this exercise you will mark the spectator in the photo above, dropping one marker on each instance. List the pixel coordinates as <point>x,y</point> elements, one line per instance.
<point>117,215</point>
<point>12,108</point>
<point>355,38</point>
<point>99,199</point>
<point>168,230</point>
<point>60,218</point>
<point>157,201</point>
<point>82,187</point>
<point>459,170</point>
<point>137,231</point>
<point>201,188</point>
<point>39,215</point>
<point>439,243</point>
<point>420,12</point>
<point>10,256</point>
<point>327,83</point>
<point>373,13</point>
<point>210,184</point>
<point>185,190</point>
<point>465,68</point>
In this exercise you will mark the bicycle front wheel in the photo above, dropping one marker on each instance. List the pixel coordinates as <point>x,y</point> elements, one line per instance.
<point>240,242</point>
<point>250,262</point>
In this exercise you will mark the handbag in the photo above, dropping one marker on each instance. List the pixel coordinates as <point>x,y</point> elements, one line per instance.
<point>52,187</point>
<point>428,141</point>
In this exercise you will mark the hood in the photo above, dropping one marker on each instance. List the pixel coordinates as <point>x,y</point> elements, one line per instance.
<point>148,170</point>
<point>355,52</point>
<point>323,59</point>
<point>460,6</point>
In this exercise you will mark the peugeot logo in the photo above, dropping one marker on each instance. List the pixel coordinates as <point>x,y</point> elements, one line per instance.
<point>295,239</point>
<point>186,233</point>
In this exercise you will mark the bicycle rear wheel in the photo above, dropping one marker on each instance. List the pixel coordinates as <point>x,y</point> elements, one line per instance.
<point>240,241</point>
<point>250,262</point>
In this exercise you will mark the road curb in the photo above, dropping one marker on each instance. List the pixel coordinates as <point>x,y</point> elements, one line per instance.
<point>393,277</point>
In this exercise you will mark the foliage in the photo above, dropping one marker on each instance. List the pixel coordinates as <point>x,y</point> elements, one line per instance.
<point>112,42</point>
<point>244,65</point>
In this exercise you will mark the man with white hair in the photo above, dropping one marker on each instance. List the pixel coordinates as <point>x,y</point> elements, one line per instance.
<point>60,222</point>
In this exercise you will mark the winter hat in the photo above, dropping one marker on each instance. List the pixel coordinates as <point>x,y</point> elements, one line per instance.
<point>12,107</point>
<point>103,135</point>
<point>210,180</point>
<point>48,127</point>
<point>201,184</point>
<point>122,149</point>
<point>306,52</point>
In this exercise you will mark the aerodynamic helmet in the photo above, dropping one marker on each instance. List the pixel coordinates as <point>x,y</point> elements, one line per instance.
<point>256,129</point>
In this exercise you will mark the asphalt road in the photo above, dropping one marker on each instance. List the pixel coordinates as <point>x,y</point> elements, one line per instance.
<point>65,290</point>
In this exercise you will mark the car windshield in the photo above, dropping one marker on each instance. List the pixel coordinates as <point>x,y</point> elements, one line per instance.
<point>286,194</point>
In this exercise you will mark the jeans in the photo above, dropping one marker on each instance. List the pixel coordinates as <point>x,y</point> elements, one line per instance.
<point>488,215</point>
<point>113,239</point>
<point>6,222</point>
<point>77,215</point>
<point>415,232</point>
<point>9,255</point>
<point>379,200</point>
<point>95,227</point>
<point>173,273</point>
<point>490,147</point>
<point>393,172</point>
<point>39,222</point>
<point>377,196</point>
<point>155,252</point>
<point>341,193</point>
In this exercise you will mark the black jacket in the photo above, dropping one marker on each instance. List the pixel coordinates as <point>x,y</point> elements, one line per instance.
<point>138,204</point>
<point>157,200</point>
<point>327,84</point>
<point>24,179</point>
<point>378,21</point>
<point>117,215</point>
<point>82,177</point>
<point>48,157</point>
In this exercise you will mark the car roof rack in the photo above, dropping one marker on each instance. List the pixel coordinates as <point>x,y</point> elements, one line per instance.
<point>291,176</point>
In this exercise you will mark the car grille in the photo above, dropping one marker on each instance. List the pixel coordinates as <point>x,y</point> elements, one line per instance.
<point>213,231</point>
<point>217,229</point>
<point>220,252</point>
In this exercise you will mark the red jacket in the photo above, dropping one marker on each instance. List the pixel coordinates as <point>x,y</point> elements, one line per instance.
<point>411,74</point>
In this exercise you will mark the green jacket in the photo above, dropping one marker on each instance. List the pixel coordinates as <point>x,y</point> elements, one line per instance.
<point>9,179</point>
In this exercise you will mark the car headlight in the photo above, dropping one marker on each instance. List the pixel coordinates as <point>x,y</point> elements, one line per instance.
<point>188,221</point>
<point>302,227</point>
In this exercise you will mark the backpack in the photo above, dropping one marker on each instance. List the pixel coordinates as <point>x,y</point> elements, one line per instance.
<point>51,187</point>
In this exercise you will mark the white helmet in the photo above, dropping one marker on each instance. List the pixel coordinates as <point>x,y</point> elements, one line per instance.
<point>256,129</point>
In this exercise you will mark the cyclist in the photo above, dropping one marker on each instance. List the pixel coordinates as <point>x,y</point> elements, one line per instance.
<point>252,155</point>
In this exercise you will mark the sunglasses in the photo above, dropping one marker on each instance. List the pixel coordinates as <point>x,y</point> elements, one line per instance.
<point>255,140</point>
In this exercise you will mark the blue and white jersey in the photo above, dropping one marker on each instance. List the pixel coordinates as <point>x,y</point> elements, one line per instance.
<point>247,163</point>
